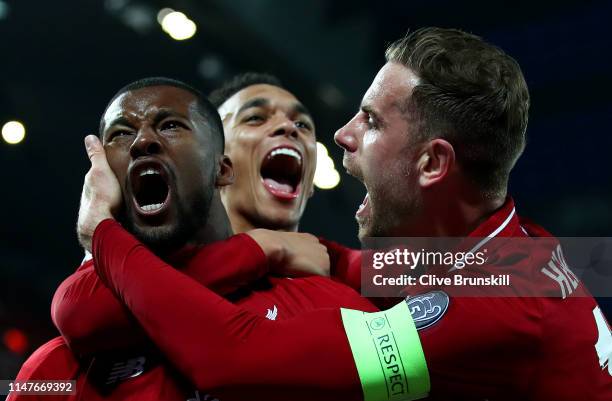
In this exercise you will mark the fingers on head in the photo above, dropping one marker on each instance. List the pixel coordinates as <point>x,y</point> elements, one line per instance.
<point>93,146</point>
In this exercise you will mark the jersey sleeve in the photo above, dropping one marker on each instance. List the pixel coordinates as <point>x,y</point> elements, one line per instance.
<point>91,319</point>
<point>229,265</point>
<point>346,268</point>
<point>216,344</point>
<point>345,263</point>
<point>89,316</point>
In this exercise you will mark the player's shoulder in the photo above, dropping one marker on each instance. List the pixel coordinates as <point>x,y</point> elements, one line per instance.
<point>86,264</point>
<point>52,360</point>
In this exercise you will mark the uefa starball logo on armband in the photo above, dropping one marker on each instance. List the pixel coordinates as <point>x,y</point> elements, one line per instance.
<point>427,309</point>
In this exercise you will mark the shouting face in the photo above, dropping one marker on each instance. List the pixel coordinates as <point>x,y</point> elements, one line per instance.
<point>160,147</point>
<point>270,139</point>
<point>381,151</point>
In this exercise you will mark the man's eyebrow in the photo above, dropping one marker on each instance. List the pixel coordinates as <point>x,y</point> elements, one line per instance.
<point>161,115</point>
<point>299,108</point>
<point>121,120</point>
<point>165,113</point>
<point>257,102</point>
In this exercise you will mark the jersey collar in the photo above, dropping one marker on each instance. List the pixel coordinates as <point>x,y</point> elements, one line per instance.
<point>504,222</point>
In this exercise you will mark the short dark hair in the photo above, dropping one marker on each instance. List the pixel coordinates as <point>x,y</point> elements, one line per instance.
<point>205,108</point>
<point>218,96</point>
<point>470,93</point>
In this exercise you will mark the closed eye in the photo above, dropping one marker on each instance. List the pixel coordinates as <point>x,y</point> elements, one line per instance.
<point>118,134</point>
<point>255,119</point>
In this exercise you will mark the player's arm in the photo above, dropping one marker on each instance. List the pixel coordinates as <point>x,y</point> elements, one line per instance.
<point>217,344</point>
<point>345,263</point>
<point>87,313</point>
<point>89,316</point>
<point>91,319</point>
<point>345,267</point>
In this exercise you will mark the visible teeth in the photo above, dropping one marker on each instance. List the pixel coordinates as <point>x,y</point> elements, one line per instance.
<point>154,206</point>
<point>286,151</point>
<point>148,172</point>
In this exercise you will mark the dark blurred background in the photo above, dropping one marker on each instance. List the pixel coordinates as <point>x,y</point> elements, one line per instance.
<point>60,62</point>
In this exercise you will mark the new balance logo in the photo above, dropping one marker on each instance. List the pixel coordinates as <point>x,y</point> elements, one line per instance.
<point>272,313</point>
<point>206,397</point>
<point>125,370</point>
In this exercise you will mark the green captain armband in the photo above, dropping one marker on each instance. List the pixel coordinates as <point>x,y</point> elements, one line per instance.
<point>388,354</point>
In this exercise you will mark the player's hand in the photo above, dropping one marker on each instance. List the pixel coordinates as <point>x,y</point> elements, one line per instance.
<point>101,194</point>
<point>292,254</point>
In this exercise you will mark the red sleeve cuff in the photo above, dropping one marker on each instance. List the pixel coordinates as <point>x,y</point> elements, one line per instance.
<point>99,232</point>
<point>248,246</point>
<point>228,265</point>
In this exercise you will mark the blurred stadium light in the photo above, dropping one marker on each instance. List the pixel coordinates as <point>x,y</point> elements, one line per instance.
<point>13,132</point>
<point>178,26</point>
<point>4,10</point>
<point>326,175</point>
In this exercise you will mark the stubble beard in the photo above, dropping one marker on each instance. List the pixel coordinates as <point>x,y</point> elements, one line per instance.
<point>191,216</point>
<point>393,204</point>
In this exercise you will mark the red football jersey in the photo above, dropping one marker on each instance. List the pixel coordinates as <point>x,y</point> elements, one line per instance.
<point>538,348</point>
<point>481,348</point>
<point>93,320</point>
<point>55,361</point>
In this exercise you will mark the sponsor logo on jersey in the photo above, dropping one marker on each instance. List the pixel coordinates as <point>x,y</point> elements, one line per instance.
<point>205,397</point>
<point>126,369</point>
<point>427,309</point>
<point>110,368</point>
<point>272,313</point>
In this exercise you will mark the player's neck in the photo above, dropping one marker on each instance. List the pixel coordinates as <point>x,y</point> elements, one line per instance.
<point>461,214</point>
<point>217,227</point>
<point>242,223</point>
<point>455,213</point>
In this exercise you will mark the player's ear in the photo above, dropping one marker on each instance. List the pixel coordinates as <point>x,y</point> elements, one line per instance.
<point>225,172</point>
<point>435,163</point>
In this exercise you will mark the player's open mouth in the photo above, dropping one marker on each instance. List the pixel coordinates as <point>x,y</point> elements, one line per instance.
<point>150,189</point>
<point>281,172</point>
<point>364,208</point>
